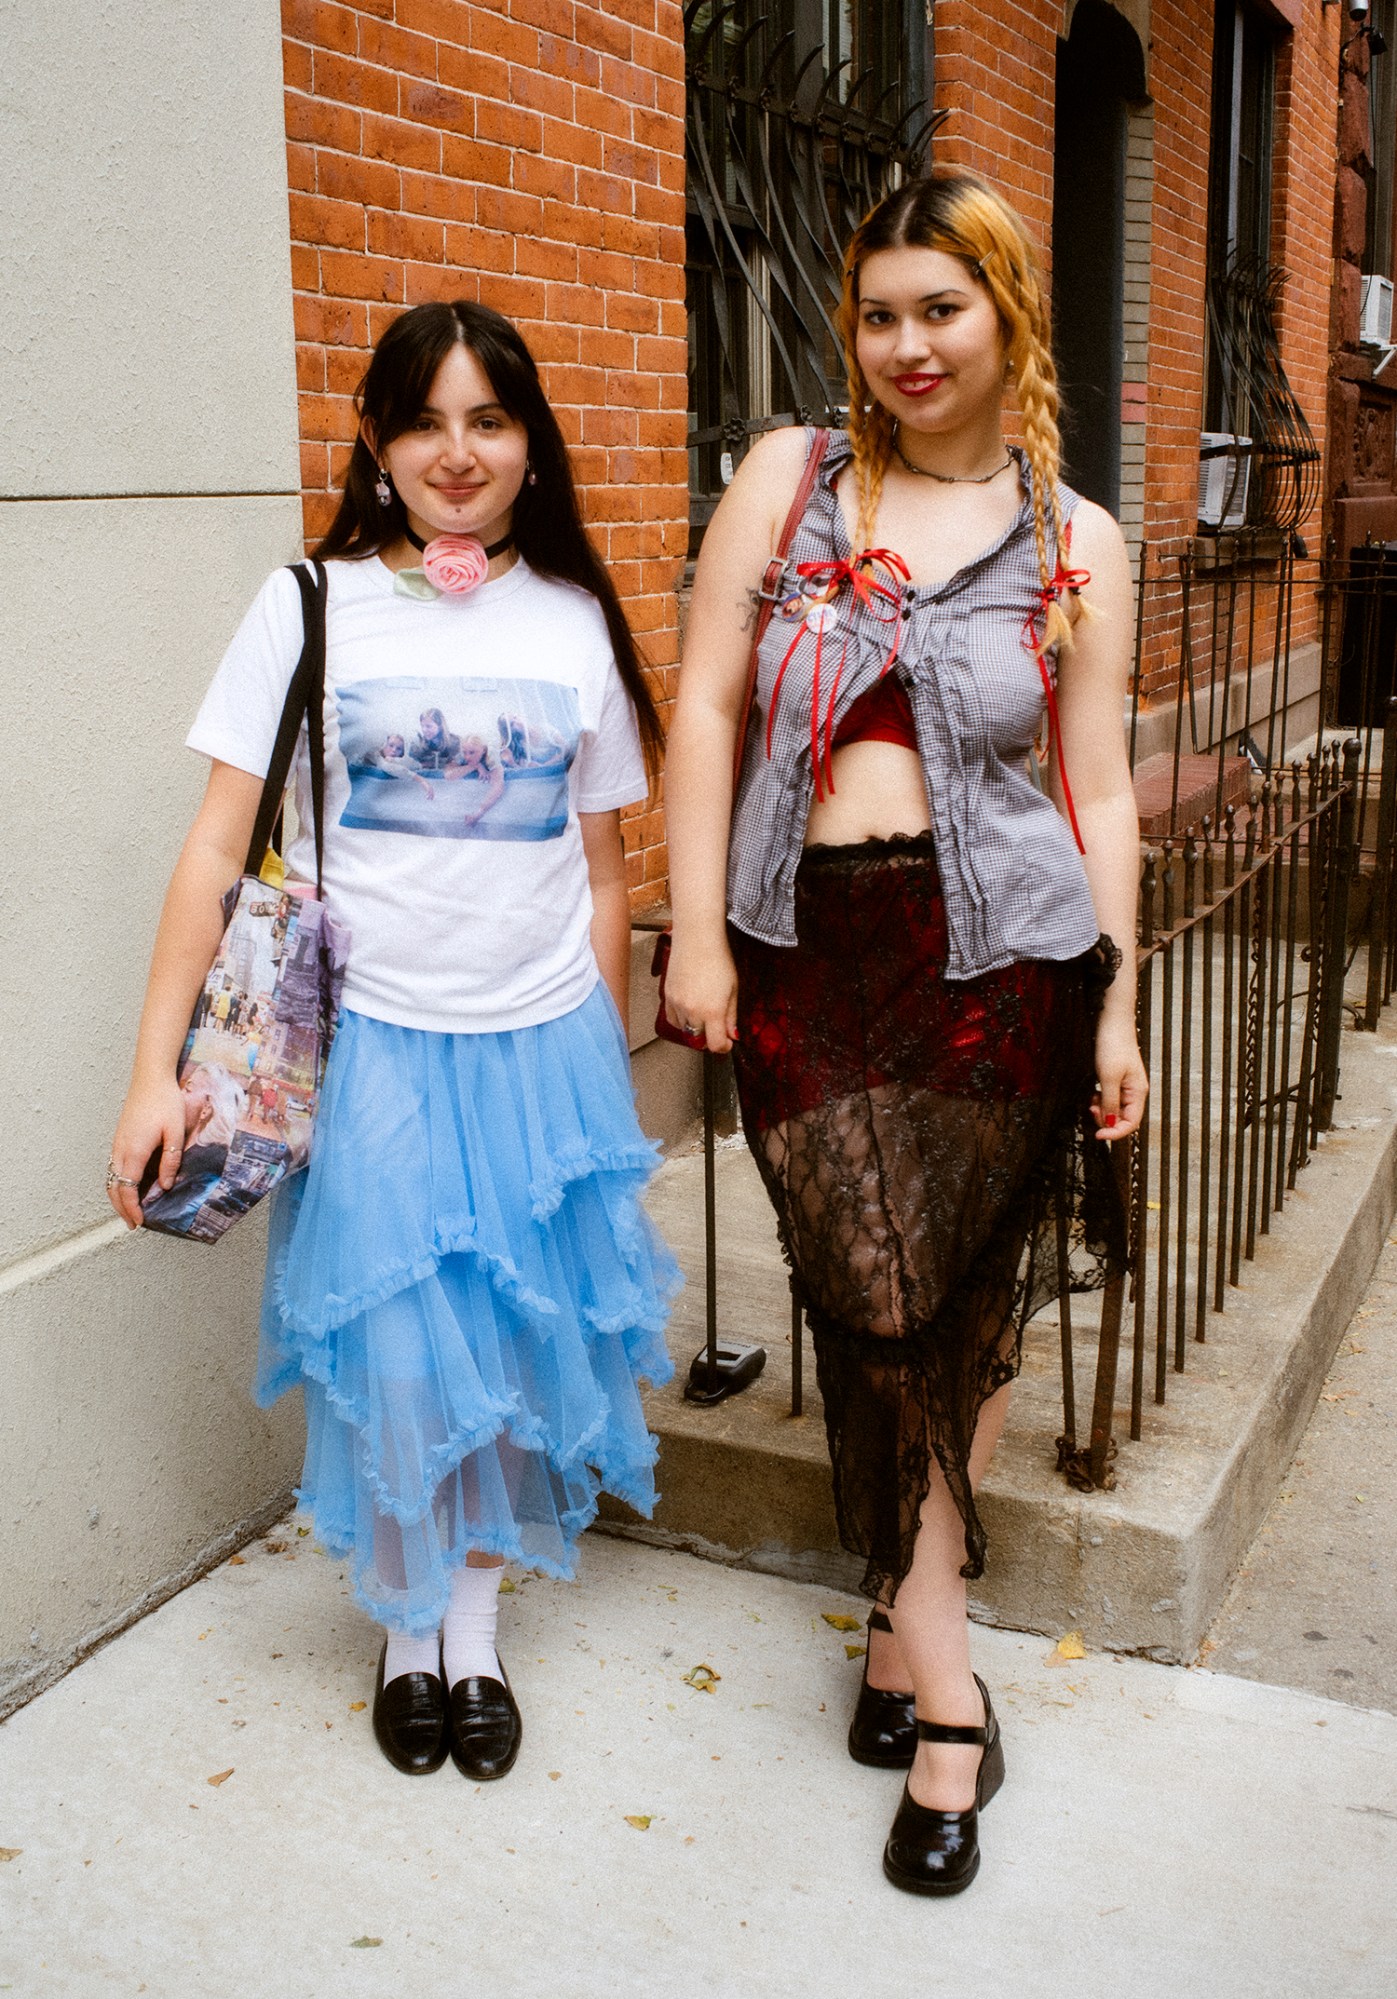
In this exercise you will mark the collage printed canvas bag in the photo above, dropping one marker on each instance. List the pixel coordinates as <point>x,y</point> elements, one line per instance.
<point>254,1057</point>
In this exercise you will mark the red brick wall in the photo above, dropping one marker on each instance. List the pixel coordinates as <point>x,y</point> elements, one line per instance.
<point>995,74</point>
<point>995,62</point>
<point>530,154</point>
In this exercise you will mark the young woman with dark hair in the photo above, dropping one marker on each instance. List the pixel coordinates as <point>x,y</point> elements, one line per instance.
<point>905,938</point>
<point>463,1283</point>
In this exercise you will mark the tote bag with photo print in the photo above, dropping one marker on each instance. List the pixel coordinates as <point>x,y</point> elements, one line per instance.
<point>254,1056</point>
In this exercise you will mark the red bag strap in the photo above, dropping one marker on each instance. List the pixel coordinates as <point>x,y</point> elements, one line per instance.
<point>771,579</point>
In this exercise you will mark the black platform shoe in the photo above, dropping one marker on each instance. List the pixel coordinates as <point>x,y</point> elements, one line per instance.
<point>938,1853</point>
<point>486,1728</point>
<point>883,1731</point>
<point>409,1717</point>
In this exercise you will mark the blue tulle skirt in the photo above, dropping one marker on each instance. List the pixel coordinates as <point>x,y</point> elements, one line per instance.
<point>467,1288</point>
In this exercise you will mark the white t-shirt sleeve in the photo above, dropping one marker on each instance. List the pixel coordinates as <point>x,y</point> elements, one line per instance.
<point>610,763</point>
<point>237,722</point>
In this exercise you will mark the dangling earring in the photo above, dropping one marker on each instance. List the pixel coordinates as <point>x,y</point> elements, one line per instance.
<point>530,473</point>
<point>383,492</point>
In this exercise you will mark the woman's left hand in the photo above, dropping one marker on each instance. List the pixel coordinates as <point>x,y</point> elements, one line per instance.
<point>1121,1083</point>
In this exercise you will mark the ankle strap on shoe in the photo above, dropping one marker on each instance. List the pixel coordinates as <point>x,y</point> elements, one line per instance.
<point>878,1619</point>
<point>937,1731</point>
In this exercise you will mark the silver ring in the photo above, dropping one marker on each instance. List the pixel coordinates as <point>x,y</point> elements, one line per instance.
<point>115,1179</point>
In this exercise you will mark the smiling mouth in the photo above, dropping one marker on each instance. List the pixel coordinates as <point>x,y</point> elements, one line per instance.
<point>917,385</point>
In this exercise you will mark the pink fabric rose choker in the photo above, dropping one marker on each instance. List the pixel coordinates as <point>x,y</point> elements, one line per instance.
<point>452,565</point>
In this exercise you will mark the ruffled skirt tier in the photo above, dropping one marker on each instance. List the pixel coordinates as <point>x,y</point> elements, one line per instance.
<point>466,1286</point>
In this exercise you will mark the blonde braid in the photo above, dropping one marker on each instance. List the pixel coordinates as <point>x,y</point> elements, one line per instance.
<point>1019,301</point>
<point>873,441</point>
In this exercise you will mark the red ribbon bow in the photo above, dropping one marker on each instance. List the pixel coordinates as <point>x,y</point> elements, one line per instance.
<point>1072,581</point>
<point>824,581</point>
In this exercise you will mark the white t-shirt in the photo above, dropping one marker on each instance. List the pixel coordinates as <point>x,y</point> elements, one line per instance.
<point>463,735</point>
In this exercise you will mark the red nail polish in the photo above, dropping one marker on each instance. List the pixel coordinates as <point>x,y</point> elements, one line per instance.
<point>1110,1117</point>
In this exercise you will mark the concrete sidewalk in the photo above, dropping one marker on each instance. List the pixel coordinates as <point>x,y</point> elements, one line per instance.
<point>1164,1833</point>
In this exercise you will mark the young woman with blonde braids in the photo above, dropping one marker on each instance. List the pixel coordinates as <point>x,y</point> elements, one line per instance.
<point>905,938</point>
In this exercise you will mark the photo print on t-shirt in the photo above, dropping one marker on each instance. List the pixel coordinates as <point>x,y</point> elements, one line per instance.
<point>458,758</point>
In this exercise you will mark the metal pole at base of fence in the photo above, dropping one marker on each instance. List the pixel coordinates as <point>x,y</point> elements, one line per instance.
<point>720,1368</point>
<point>1336,942</point>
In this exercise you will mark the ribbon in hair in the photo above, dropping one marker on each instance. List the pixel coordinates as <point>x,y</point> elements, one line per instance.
<point>823,582</point>
<point>1072,581</point>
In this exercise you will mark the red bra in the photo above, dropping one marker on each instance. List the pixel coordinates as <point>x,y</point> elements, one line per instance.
<point>882,715</point>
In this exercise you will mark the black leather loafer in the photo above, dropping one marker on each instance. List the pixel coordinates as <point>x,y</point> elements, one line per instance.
<point>883,1732</point>
<point>409,1717</point>
<point>938,1853</point>
<point>486,1728</point>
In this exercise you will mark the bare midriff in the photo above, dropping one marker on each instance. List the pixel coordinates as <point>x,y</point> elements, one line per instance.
<point>879,791</point>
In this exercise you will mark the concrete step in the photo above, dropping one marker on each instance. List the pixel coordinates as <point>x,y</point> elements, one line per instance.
<point>1143,1568</point>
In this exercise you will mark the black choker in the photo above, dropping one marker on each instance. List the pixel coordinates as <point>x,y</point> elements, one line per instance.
<point>495,547</point>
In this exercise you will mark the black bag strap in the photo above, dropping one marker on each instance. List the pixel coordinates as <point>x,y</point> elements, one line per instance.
<point>305,700</point>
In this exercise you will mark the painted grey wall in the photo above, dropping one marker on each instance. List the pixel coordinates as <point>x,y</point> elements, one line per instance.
<point>148,476</point>
<point>145,320</point>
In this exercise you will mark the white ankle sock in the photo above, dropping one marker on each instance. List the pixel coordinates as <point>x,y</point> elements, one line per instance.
<point>411,1655</point>
<point>468,1629</point>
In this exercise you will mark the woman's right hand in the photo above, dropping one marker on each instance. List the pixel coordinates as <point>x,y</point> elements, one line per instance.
<point>152,1120</point>
<point>701,993</point>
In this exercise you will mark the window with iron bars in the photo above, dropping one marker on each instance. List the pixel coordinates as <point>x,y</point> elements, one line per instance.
<point>801,115</point>
<point>1266,442</point>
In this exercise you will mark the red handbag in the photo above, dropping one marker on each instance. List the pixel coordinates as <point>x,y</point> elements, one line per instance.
<point>766,604</point>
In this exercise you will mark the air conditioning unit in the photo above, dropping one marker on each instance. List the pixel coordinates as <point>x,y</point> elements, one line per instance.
<point>1224,473</point>
<point>1375,312</point>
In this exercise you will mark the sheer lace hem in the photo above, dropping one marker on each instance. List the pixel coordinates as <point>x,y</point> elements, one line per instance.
<point>926,1148</point>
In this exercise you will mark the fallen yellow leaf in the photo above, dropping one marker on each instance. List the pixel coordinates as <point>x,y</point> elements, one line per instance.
<point>640,1820</point>
<point>366,1943</point>
<point>702,1679</point>
<point>221,1778</point>
<point>1069,1646</point>
<point>236,1562</point>
<point>854,1651</point>
<point>10,1852</point>
<point>506,1587</point>
<point>841,1622</point>
<point>357,1707</point>
<point>302,1532</point>
<point>554,1775</point>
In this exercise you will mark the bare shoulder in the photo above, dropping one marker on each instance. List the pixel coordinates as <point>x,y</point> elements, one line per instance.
<point>745,526</point>
<point>769,474</point>
<point>1097,541</point>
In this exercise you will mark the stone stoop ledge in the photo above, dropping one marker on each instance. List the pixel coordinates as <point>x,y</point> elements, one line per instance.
<point>1143,1568</point>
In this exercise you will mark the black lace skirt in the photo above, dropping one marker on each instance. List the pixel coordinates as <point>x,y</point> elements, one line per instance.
<point>922,1140</point>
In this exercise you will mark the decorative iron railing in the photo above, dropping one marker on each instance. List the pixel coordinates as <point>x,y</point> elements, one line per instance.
<point>786,152</point>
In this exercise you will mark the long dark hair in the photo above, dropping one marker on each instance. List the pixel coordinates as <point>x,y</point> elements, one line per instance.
<point>548,530</point>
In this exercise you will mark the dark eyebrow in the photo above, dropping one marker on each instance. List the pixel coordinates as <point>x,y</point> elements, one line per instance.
<point>927,298</point>
<point>479,409</point>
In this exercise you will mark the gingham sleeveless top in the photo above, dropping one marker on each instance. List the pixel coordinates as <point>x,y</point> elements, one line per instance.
<point>1011,875</point>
